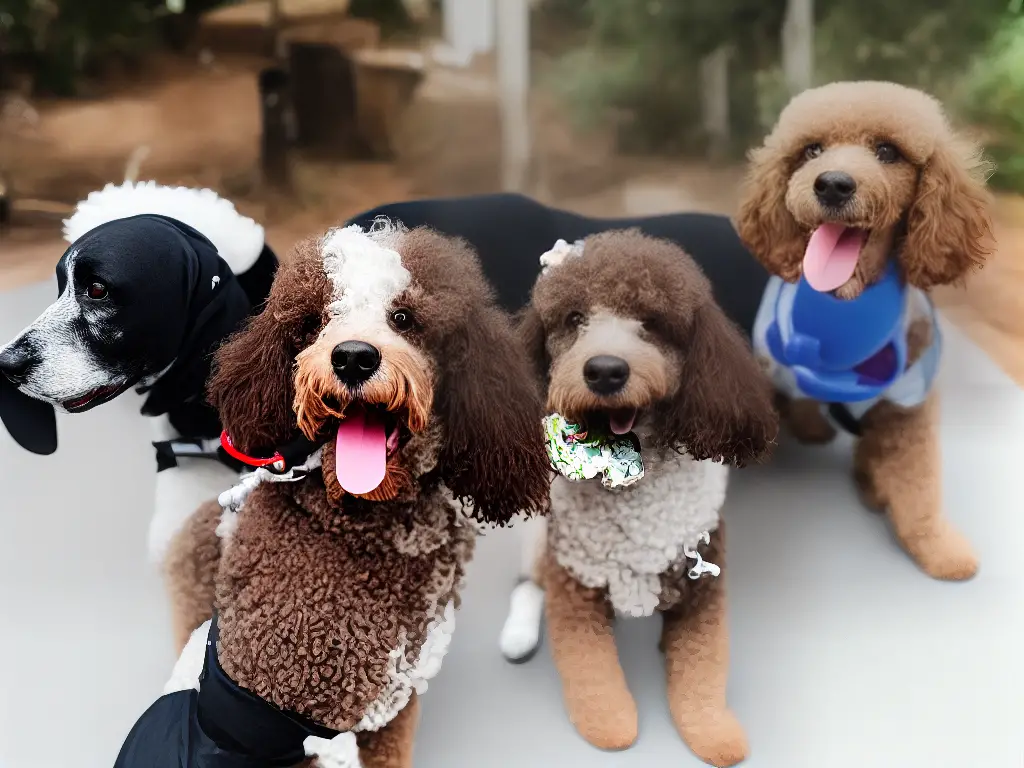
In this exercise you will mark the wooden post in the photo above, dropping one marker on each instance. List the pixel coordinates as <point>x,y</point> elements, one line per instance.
<point>798,45</point>
<point>513,35</point>
<point>714,78</point>
<point>6,206</point>
<point>274,149</point>
<point>277,45</point>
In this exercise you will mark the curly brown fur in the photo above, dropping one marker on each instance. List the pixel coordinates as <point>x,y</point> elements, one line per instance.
<point>927,202</point>
<point>921,196</point>
<point>691,386</point>
<point>692,375</point>
<point>695,640</point>
<point>898,467</point>
<point>314,598</point>
<point>461,361</point>
<point>326,599</point>
<point>580,628</point>
<point>190,570</point>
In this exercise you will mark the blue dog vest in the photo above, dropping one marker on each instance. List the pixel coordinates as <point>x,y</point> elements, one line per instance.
<point>852,353</point>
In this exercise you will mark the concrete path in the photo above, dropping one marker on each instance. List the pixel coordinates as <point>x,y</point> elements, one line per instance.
<point>844,655</point>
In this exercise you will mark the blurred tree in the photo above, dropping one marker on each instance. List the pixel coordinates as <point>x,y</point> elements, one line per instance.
<point>642,59</point>
<point>58,40</point>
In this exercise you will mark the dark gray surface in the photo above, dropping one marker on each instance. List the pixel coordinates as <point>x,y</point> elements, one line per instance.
<point>844,655</point>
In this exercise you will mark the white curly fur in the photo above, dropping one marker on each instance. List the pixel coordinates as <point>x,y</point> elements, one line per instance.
<point>625,540</point>
<point>237,238</point>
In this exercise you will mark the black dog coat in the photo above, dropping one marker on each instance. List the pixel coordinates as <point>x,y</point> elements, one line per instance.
<point>221,725</point>
<point>177,300</point>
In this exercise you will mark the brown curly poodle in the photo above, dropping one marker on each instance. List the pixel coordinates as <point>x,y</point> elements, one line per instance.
<point>335,593</point>
<point>856,176</point>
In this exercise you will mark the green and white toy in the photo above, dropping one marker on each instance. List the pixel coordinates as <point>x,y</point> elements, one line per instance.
<point>577,455</point>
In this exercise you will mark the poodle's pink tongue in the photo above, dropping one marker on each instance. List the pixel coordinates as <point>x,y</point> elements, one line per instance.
<point>621,421</point>
<point>831,256</point>
<point>361,455</point>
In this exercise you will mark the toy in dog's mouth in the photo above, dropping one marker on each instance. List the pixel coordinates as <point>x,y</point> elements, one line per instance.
<point>367,437</point>
<point>831,256</point>
<point>93,398</point>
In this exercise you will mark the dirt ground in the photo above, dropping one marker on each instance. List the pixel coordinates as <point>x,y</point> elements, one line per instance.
<point>198,125</point>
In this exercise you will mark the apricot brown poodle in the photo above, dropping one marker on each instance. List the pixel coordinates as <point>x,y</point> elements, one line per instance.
<point>335,592</point>
<point>864,188</point>
<point>628,338</point>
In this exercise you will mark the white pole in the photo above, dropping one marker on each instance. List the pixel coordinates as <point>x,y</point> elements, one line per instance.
<point>468,27</point>
<point>513,44</point>
<point>798,45</point>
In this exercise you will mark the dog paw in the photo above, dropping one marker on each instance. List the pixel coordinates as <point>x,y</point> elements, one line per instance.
<point>946,555</point>
<point>718,738</point>
<point>606,722</point>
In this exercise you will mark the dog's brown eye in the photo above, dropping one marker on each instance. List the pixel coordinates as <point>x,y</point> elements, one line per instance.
<point>96,291</point>
<point>887,153</point>
<point>310,325</point>
<point>812,151</point>
<point>402,320</point>
<point>574,319</point>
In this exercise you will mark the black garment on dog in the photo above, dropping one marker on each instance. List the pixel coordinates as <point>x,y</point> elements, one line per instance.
<point>222,725</point>
<point>177,300</point>
<point>510,232</point>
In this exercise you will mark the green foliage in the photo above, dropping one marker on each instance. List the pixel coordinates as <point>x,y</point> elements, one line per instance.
<point>390,14</point>
<point>639,66</point>
<point>917,43</point>
<point>60,39</point>
<point>992,96</point>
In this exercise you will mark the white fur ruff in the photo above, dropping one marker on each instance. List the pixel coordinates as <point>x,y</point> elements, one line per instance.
<point>625,541</point>
<point>189,667</point>
<point>340,752</point>
<point>237,238</point>
<point>405,677</point>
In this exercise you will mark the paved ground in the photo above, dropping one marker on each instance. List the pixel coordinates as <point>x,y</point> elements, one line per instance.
<point>844,656</point>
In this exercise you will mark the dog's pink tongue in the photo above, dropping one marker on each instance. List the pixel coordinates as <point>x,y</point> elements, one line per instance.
<point>831,256</point>
<point>621,420</point>
<point>361,455</point>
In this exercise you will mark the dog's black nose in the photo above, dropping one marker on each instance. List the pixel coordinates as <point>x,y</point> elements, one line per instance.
<point>605,374</point>
<point>834,188</point>
<point>15,363</point>
<point>355,361</point>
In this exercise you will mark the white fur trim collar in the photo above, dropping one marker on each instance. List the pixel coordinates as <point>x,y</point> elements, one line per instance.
<point>237,238</point>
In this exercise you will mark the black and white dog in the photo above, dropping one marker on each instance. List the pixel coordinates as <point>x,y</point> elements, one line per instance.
<point>154,280</point>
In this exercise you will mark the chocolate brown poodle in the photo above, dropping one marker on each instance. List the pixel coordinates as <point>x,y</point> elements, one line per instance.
<point>335,593</point>
<point>627,336</point>
<point>854,178</point>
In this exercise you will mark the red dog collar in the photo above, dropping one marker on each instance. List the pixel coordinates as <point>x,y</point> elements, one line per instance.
<point>275,462</point>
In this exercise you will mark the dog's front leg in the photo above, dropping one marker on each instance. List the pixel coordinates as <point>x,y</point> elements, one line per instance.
<point>190,569</point>
<point>695,640</point>
<point>805,419</point>
<point>392,746</point>
<point>582,641</point>
<point>898,466</point>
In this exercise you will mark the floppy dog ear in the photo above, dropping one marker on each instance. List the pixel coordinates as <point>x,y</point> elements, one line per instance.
<point>724,409</point>
<point>251,386</point>
<point>764,223</point>
<point>32,423</point>
<point>493,457</point>
<point>530,329</point>
<point>949,229</point>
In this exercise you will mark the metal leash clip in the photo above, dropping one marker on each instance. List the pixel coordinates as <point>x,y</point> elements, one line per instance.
<point>702,566</point>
